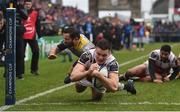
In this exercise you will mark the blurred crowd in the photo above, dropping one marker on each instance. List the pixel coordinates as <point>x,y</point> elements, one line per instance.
<point>54,17</point>
<point>120,32</point>
<point>166,31</point>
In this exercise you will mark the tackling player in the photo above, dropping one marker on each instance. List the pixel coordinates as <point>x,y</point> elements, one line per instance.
<point>74,41</point>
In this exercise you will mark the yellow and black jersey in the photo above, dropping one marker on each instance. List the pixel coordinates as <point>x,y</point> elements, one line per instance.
<point>83,45</point>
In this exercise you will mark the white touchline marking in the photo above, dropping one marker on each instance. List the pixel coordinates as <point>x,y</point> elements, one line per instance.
<point>61,87</point>
<point>134,60</point>
<point>140,58</point>
<point>35,96</point>
<point>105,103</point>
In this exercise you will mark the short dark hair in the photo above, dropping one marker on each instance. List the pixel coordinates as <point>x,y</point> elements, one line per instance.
<point>27,0</point>
<point>104,44</point>
<point>166,48</point>
<point>72,32</point>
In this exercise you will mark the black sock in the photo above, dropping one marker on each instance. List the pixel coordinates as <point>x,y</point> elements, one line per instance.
<point>67,80</point>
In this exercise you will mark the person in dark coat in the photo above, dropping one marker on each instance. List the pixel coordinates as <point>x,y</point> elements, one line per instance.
<point>21,14</point>
<point>2,38</point>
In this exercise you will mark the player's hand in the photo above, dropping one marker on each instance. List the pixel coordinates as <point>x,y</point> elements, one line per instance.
<point>51,57</point>
<point>52,54</point>
<point>93,67</point>
<point>166,79</point>
<point>157,81</point>
<point>95,73</point>
<point>178,76</point>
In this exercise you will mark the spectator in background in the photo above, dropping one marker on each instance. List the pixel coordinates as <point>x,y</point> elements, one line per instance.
<point>99,37</point>
<point>88,28</point>
<point>97,31</point>
<point>32,25</point>
<point>106,25</point>
<point>2,32</point>
<point>127,35</point>
<point>2,38</point>
<point>21,14</point>
<point>141,35</point>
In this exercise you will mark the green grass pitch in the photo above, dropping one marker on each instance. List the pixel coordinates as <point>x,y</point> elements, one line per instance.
<point>150,96</point>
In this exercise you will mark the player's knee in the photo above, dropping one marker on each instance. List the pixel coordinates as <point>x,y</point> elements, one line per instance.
<point>80,88</point>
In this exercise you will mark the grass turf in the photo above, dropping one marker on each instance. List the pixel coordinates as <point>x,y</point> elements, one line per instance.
<point>150,96</point>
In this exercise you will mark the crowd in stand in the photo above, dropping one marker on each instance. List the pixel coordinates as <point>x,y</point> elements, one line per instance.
<point>55,16</point>
<point>166,31</point>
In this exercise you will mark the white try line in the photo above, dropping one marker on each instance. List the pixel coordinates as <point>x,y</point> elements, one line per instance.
<point>61,87</point>
<point>103,103</point>
<point>57,88</point>
<point>35,96</point>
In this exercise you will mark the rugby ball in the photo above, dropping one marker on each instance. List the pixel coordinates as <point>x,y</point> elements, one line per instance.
<point>104,71</point>
<point>97,83</point>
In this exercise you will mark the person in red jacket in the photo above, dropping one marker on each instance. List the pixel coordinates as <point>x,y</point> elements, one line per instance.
<point>32,26</point>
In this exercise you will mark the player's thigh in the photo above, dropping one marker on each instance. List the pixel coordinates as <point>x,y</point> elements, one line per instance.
<point>148,78</point>
<point>139,70</point>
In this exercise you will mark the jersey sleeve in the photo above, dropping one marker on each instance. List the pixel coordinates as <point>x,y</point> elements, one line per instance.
<point>154,55</point>
<point>86,56</point>
<point>113,66</point>
<point>174,63</point>
<point>173,60</point>
<point>61,46</point>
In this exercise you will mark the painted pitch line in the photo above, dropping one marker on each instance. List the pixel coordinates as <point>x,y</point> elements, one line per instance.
<point>104,103</point>
<point>134,60</point>
<point>36,96</point>
<point>61,87</point>
<point>56,89</point>
<point>140,58</point>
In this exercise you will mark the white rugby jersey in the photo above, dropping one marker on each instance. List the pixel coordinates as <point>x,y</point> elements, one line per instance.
<point>88,58</point>
<point>160,65</point>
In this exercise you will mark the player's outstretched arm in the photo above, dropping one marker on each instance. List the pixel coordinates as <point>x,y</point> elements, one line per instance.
<point>52,54</point>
